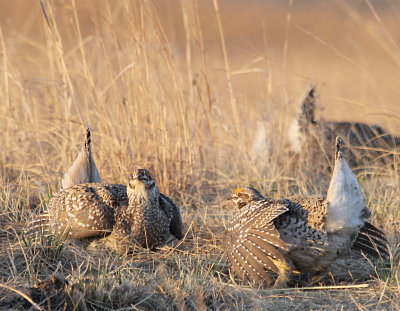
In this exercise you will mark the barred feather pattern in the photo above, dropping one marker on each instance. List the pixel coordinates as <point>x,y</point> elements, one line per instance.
<point>372,241</point>
<point>248,213</point>
<point>307,245</point>
<point>269,238</point>
<point>257,248</point>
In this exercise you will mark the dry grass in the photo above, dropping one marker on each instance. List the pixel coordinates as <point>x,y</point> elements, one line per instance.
<point>185,91</point>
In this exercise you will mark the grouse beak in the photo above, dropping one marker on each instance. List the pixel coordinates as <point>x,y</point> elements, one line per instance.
<point>135,178</point>
<point>232,198</point>
<point>141,176</point>
<point>138,175</point>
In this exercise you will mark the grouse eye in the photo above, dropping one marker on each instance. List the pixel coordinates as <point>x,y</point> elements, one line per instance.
<point>244,196</point>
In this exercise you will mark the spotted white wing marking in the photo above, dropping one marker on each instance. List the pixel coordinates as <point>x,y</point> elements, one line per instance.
<point>256,243</point>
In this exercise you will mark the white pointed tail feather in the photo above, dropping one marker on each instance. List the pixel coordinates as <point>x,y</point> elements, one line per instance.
<point>84,169</point>
<point>345,198</point>
<point>94,173</point>
<point>79,172</point>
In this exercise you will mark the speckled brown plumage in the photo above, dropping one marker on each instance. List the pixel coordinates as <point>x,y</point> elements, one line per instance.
<point>97,208</point>
<point>149,218</point>
<point>302,233</point>
<point>81,211</point>
<point>278,231</point>
<point>315,207</point>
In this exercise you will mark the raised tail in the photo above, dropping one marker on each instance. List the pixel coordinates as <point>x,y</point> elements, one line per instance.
<point>84,169</point>
<point>299,127</point>
<point>307,109</point>
<point>372,241</point>
<point>345,197</point>
<point>94,173</point>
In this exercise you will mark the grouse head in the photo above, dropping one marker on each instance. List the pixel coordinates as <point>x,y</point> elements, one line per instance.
<point>243,196</point>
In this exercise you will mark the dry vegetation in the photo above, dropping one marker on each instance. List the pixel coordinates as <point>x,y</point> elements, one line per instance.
<point>185,90</point>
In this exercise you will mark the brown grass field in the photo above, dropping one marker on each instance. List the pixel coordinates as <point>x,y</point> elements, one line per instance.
<point>185,88</point>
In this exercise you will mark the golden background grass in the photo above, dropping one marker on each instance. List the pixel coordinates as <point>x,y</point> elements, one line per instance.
<point>154,82</point>
<point>185,88</point>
